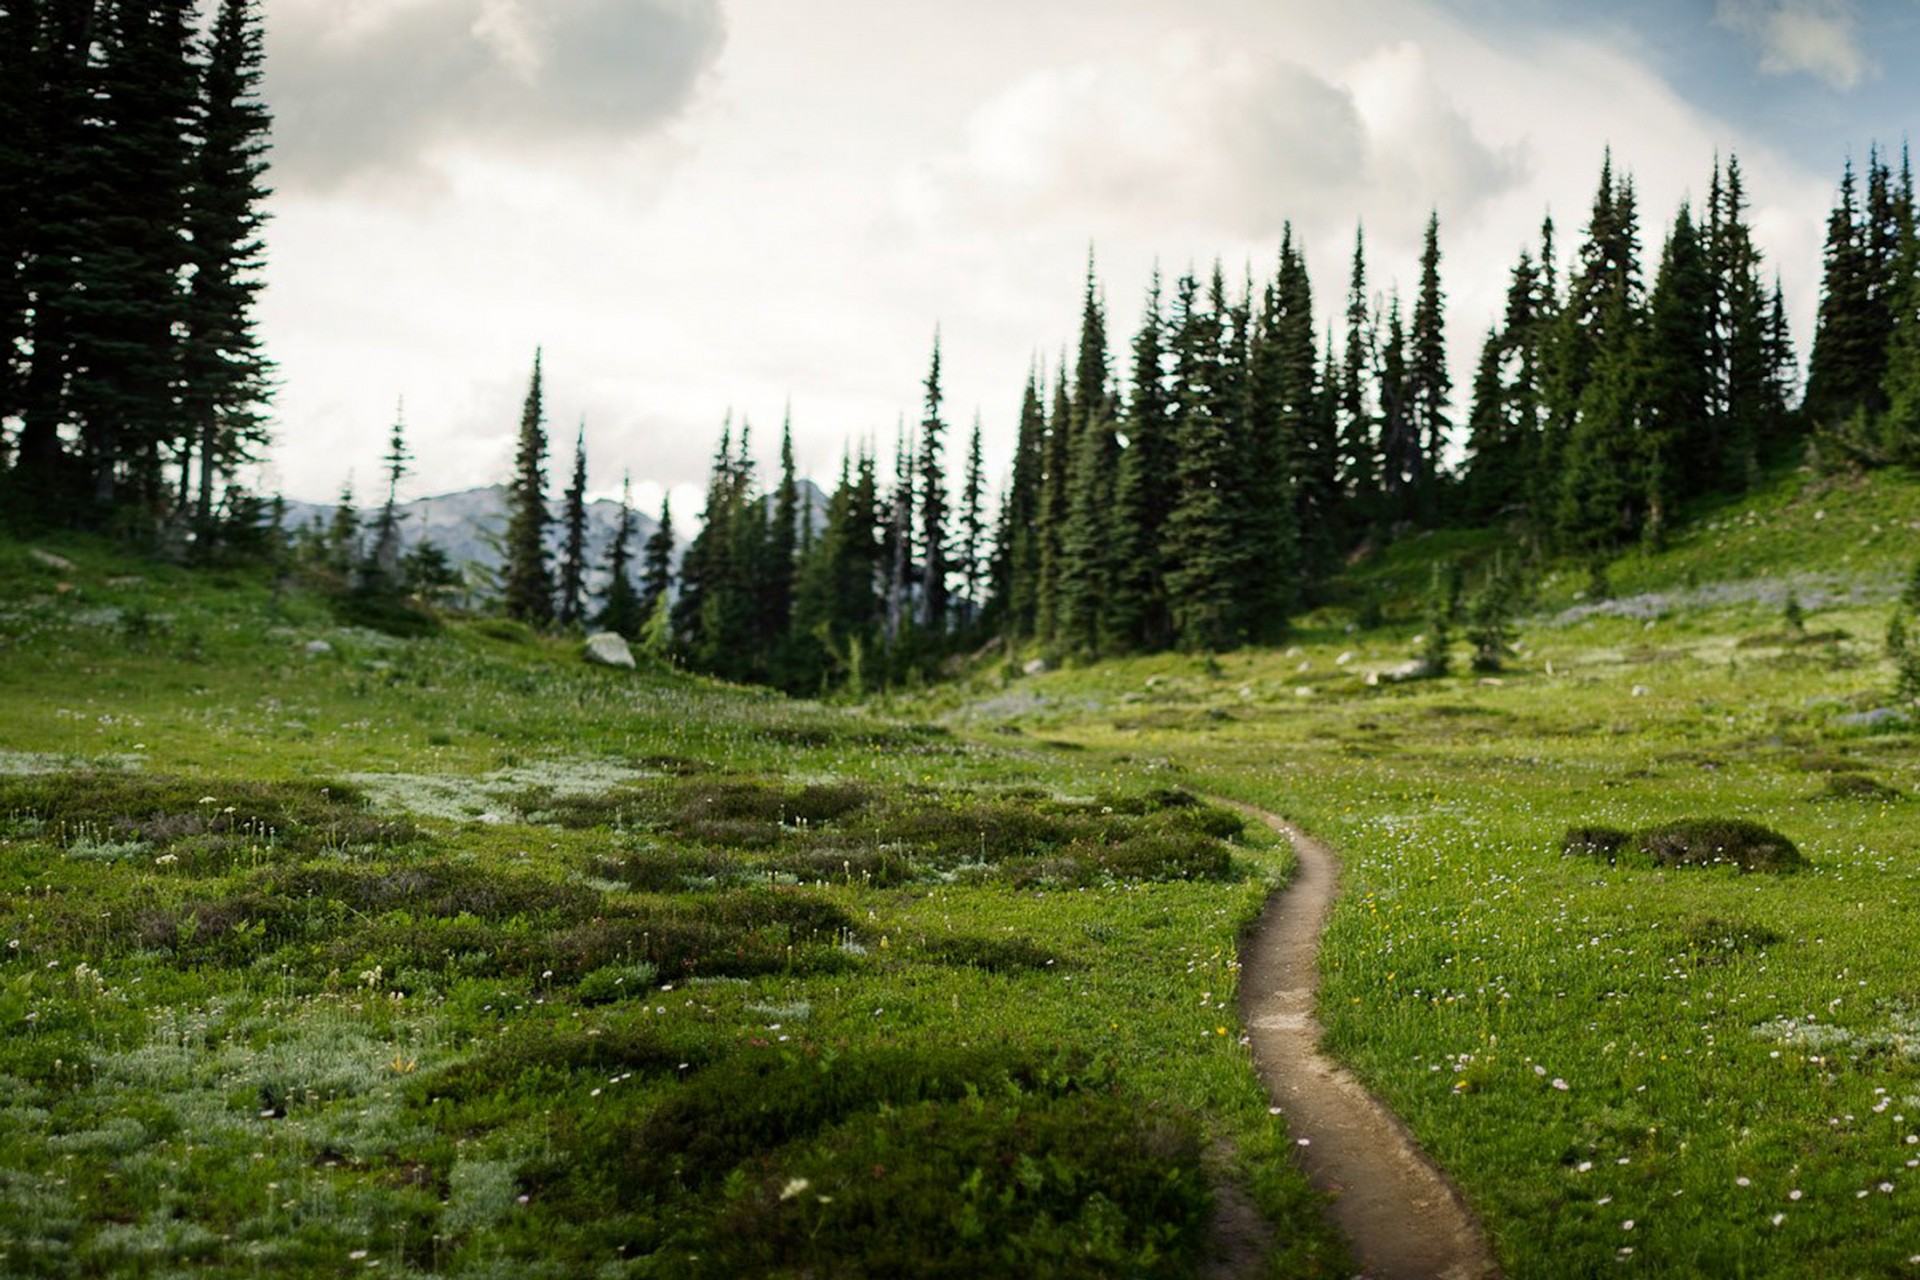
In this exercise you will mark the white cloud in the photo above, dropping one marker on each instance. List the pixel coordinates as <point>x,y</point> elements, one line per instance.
<point>383,90</point>
<point>1208,139</point>
<point>1815,37</point>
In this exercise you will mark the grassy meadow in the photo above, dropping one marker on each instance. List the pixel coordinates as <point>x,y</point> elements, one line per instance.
<point>1683,1071</point>
<point>328,952</point>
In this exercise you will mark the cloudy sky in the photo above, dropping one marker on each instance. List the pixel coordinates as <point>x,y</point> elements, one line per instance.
<point>704,207</point>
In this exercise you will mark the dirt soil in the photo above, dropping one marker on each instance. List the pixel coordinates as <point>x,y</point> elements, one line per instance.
<point>1404,1219</point>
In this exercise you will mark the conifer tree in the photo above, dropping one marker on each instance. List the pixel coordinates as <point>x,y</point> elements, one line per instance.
<point>783,539</point>
<point>1055,504</point>
<point>528,583</point>
<point>973,532</point>
<point>932,506</point>
<point>1017,548</point>
<point>1145,492</point>
<point>1682,452</point>
<point>656,558</point>
<point>225,377</point>
<point>1085,539</point>
<point>1841,372</point>
<point>622,611</point>
<point>343,531</point>
<point>380,572</point>
<point>1430,386</point>
<point>573,544</point>
<point>1359,443</point>
<point>1202,535</point>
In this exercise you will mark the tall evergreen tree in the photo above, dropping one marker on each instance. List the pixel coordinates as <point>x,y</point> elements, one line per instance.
<point>380,572</point>
<point>973,532</point>
<point>1203,531</point>
<point>528,583</point>
<point>932,505</point>
<point>1055,505</point>
<point>1845,369</point>
<point>226,378</point>
<point>656,558</point>
<point>1681,451</point>
<point>1144,494</point>
<point>573,538</point>
<point>1359,444</point>
<point>1017,548</point>
<point>622,611</point>
<point>783,542</point>
<point>1083,583</point>
<point>1430,386</point>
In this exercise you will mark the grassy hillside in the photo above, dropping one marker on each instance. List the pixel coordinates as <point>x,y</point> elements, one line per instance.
<point>327,952</point>
<point>1683,1070</point>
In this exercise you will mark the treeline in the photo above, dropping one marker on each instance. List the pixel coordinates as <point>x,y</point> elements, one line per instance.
<point>1204,495</point>
<point>132,162</point>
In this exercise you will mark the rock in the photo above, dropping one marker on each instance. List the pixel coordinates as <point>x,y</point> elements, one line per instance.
<point>1343,659</point>
<point>609,649</point>
<point>318,648</point>
<point>1872,719</point>
<point>59,564</point>
<point>1641,691</point>
<point>1037,667</point>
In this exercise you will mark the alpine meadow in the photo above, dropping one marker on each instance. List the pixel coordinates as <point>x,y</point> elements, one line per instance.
<point>1307,784</point>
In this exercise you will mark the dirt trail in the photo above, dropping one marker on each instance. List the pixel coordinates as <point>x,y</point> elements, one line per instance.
<point>1404,1218</point>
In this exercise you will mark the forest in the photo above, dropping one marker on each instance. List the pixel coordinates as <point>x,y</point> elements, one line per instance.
<point>1194,489</point>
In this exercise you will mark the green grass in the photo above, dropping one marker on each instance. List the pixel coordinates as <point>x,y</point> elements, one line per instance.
<point>1682,1070</point>
<point>455,956</point>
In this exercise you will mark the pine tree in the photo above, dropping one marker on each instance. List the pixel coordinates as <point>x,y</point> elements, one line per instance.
<point>1017,548</point>
<point>656,559</point>
<point>1083,586</point>
<point>1144,494</point>
<point>1841,372</point>
<point>783,540</point>
<point>1430,386</point>
<point>380,571</point>
<point>1055,504</point>
<point>1359,445</point>
<point>123,353</point>
<point>1202,533</point>
<point>226,378</point>
<point>621,610</point>
<point>528,584</point>
<point>932,506</point>
<point>1683,450</point>
<point>973,532</point>
<point>573,544</point>
<point>343,532</point>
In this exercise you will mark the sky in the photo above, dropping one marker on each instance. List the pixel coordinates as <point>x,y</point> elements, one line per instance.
<point>757,211</point>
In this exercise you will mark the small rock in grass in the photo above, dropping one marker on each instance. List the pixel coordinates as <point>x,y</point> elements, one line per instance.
<point>59,564</point>
<point>609,649</point>
<point>318,648</point>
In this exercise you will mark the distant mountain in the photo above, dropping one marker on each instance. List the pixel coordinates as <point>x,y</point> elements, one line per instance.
<point>470,526</point>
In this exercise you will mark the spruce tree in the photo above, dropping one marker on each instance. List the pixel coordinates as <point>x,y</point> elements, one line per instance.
<point>1430,386</point>
<point>1055,504</point>
<point>656,559</point>
<point>1681,451</point>
<point>1017,548</point>
<point>1841,372</point>
<point>573,539</point>
<point>1202,532</point>
<point>973,532</point>
<point>622,610</point>
<point>932,506</point>
<point>1359,443</point>
<point>1144,495</point>
<point>783,541</point>
<point>1083,586</point>
<point>528,583</point>
<point>225,376</point>
<point>380,571</point>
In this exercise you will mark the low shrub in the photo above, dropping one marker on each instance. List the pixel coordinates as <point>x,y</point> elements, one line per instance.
<point>1690,842</point>
<point>1697,842</point>
<point>1857,786</point>
<point>995,955</point>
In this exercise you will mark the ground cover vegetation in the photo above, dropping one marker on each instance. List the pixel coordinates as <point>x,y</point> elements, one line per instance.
<point>327,950</point>
<point>1632,1052</point>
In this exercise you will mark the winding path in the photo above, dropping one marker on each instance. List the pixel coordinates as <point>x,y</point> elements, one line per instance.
<point>1404,1219</point>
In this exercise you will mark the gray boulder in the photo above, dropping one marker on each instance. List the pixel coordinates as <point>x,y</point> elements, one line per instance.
<point>609,649</point>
